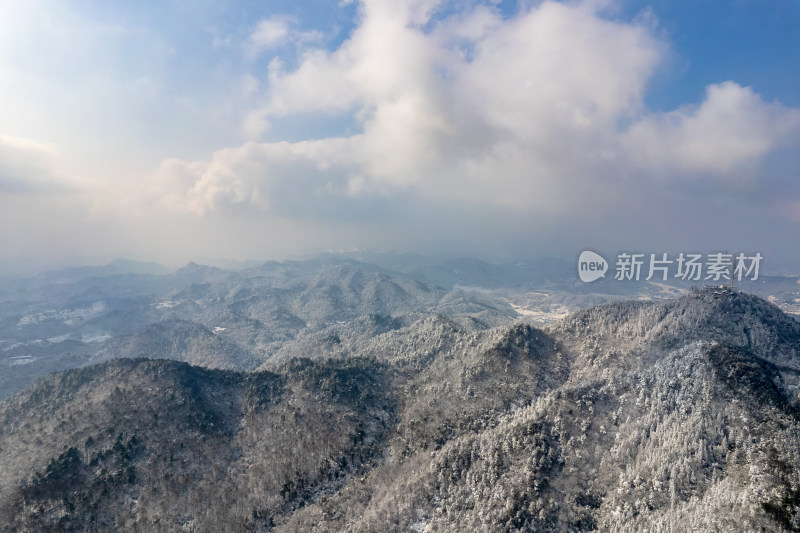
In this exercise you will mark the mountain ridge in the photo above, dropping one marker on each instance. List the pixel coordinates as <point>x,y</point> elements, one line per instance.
<point>630,416</point>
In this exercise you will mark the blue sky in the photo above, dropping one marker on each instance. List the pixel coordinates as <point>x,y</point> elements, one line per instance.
<point>190,129</point>
<point>756,43</point>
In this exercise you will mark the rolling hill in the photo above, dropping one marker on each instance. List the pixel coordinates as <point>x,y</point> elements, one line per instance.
<point>677,415</point>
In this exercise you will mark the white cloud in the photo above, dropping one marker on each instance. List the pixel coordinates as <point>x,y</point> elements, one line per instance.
<point>465,126</point>
<point>479,109</point>
<point>270,33</point>
<point>512,114</point>
<point>731,129</point>
<point>277,31</point>
<point>281,177</point>
<point>27,166</point>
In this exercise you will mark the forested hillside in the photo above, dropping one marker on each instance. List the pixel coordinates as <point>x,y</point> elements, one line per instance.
<point>226,319</point>
<point>634,416</point>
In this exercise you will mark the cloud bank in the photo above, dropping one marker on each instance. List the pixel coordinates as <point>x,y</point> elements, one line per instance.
<point>520,113</point>
<point>481,129</point>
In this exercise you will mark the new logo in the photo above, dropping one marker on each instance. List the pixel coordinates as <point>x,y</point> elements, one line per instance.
<point>591,266</point>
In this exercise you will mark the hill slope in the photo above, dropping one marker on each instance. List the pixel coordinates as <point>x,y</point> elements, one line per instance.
<point>230,319</point>
<point>680,415</point>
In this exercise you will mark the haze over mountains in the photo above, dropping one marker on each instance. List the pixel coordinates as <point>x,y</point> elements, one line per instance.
<point>234,319</point>
<point>680,414</point>
<point>256,316</point>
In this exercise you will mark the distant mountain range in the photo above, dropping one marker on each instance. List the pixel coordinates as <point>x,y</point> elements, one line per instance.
<point>673,415</point>
<point>256,316</point>
<point>234,319</point>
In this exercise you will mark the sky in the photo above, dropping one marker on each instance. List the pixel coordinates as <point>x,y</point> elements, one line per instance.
<point>191,129</point>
